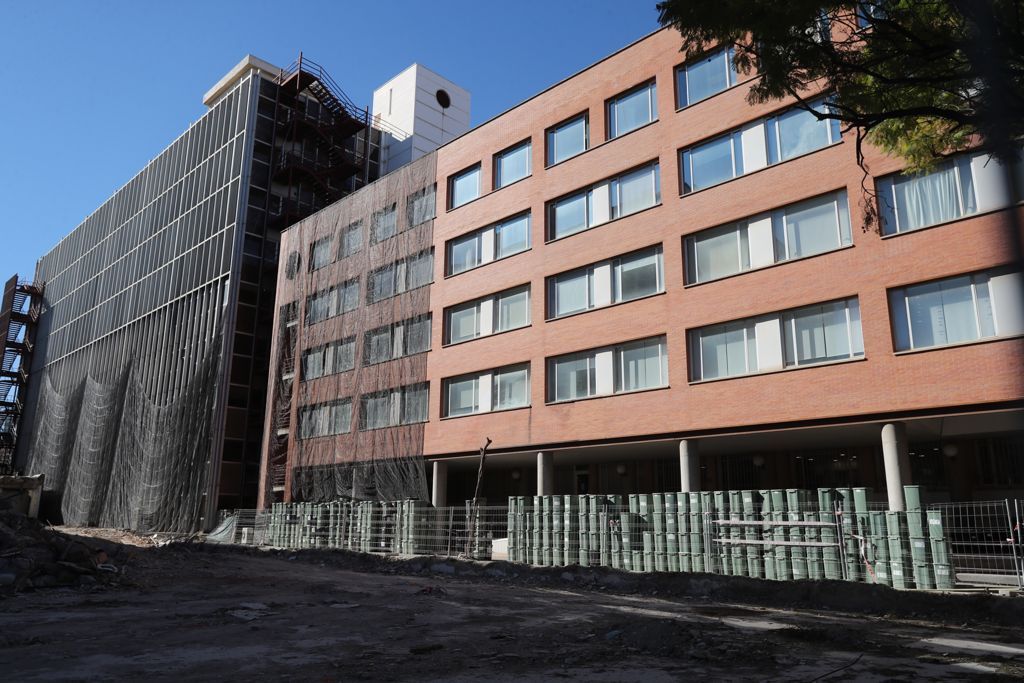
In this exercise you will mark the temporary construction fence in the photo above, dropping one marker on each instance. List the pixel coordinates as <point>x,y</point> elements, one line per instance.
<point>781,534</point>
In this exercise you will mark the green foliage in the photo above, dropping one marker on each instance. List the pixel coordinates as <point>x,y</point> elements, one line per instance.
<point>918,78</point>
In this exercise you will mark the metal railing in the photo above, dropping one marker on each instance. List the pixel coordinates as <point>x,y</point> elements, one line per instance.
<point>780,537</point>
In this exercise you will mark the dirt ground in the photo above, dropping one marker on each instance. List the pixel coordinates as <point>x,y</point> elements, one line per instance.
<point>196,613</point>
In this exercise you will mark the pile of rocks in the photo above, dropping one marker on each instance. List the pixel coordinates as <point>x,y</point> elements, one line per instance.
<point>34,556</point>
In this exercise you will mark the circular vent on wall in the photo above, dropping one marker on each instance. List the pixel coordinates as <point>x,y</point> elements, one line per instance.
<point>444,99</point>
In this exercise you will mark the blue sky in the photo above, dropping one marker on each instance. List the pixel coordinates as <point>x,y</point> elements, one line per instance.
<point>94,90</point>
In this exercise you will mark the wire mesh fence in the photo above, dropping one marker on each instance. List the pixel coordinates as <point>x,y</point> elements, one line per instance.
<point>789,534</point>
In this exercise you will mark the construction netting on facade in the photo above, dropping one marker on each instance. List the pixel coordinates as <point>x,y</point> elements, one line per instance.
<point>124,452</point>
<point>349,361</point>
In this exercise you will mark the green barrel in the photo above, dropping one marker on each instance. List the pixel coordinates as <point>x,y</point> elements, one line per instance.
<point>685,563</point>
<point>920,551</point>
<point>778,500</point>
<point>750,501</point>
<point>626,539</point>
<point>881,573</point>
<point>944,577</point>
<point>912,495</point>
<point>755,567</point>
<point>783,564</point>
<point>900,573</point>
<point>739,561</point>
<point>896,525</point>
<point>917,524</point>
<point>924,577</point>
<point>735,502</point>
<point>936,527</point>
<point>826,499</point>
<point>697,563</point>
<point>940,551</point>
<point>769,565</point>
<point>815,565</point>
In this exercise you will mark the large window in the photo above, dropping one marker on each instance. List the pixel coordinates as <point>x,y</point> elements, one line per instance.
<point>320,253</point>
<point>482,392</point>
<point>464,187</point>
<point>401,276</point>
<point>393,407</point>
<point>351,239</point>
<point>822,333</point>
<point>704,77</point>
<point>568,139</point>
<point>329,359</point>
<point>325,419</point>
<point>488,244</point>
<point>956,310</point>
<point>712,162</point>
<point>634,366</point>
<point>500,312</point>
<point>798,131</point>
<point>632,109</point>
<point>908,202</point>
<point>332,302</point>
<point>755,146</point>
<point>420,206</point>
<point>384,223</point>
<point>803,229</point>
<point>625,278</point>
<point>398,340</point>
<point>803,336</point>
<point>613,198</point>
<point>512,165</point>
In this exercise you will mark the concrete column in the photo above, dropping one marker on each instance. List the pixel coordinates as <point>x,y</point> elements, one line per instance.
<point>545,474</point>
<point>897,462</point>
<point>689,465</point>
<point>439,494</point>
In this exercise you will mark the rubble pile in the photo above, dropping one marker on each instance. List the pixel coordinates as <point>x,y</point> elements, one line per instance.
<point>33,556</point>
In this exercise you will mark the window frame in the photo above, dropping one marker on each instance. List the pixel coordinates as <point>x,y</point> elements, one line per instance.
<point>405,326</point>
<point>306,410</point>
<point>328,242</point>
<point>614,200</point>
<point>772,148</point>
<point>493,300</point>
<point>732,76</point>
<point>496,159</point>
<point>549,146</point>
<point>695,347</point>
<point>975,278</point>
<point>493,390</point>
<point>611,121</point>
<point>614,282</point>
<point>691,272</point>
<point>304,377</point>
<point>478,234</point>
<point>354,226</point>
<point>454,178</point>
<point>590,355</point>
<point>392,209</point>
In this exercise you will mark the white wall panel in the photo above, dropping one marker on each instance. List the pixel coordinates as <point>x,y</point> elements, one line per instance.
<point>1008,302</point>
<point>755,154</point>
<point>759,239</point>
<point>768,335</point>
<point>604,363</point>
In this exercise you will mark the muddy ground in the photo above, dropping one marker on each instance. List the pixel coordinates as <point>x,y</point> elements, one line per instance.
<point>200,613</point>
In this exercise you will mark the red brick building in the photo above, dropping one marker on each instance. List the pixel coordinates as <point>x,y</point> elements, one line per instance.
<point>640,282</point>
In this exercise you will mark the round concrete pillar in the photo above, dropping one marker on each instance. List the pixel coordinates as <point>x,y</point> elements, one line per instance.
<point>439,494</point>
<point>545,474</point>
<point>897,462</point>
<point>689,465</point>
